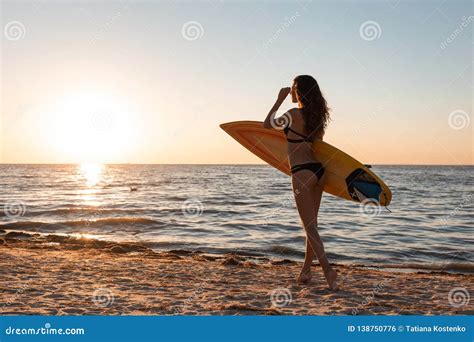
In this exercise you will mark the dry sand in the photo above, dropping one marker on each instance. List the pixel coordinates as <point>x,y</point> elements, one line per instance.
<point>53,275</point>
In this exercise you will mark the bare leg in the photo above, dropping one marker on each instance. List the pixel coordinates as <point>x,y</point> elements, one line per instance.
<point>308,200</point>
<point>309,256</point>
<point>305,274</point>
<point>318,192</point>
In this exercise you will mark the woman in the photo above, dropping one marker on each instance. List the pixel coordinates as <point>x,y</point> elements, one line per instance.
<point>302,125</point>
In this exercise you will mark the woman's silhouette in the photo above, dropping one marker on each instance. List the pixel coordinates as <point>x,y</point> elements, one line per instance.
<point>302,125</point>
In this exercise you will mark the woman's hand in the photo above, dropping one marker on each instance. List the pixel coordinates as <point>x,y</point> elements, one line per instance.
<point>269,120</point>
<point>283,93</point>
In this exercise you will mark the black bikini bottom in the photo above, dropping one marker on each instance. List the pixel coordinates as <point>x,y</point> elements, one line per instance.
<point>317,168</point>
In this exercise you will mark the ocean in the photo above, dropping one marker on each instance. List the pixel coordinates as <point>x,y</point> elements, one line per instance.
<point>246,209</point>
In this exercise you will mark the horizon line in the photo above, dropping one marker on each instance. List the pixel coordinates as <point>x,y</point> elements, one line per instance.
<point>217,164</point>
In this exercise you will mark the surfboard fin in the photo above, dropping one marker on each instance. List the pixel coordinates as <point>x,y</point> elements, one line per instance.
<point>360,195</point>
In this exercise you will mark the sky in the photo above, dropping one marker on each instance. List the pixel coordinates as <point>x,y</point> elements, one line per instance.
<point>150,82</point>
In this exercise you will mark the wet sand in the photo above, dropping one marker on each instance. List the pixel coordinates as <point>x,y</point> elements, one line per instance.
<point>56,275</point>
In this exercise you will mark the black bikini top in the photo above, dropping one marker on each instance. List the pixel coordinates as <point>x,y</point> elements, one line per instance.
<point>296,141</point>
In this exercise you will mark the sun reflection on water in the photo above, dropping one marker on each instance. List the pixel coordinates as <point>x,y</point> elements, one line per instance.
<point>92,173</point>
<point>83,236</point>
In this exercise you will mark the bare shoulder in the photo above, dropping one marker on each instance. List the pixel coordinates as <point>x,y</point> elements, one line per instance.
<point>295,111</point>
<point>296,116</point>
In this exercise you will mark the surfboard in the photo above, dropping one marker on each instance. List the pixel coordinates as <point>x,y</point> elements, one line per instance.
<point>346,177</point>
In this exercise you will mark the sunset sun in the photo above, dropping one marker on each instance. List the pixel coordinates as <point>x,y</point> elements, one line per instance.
<point>92,128</point>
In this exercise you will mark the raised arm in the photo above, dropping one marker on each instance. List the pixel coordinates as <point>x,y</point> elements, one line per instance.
<point>270,121</point>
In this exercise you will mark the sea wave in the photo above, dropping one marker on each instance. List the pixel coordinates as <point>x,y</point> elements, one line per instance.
<point>92,223</point>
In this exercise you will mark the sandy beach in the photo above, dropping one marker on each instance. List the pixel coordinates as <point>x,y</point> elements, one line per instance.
<point>56,275</point>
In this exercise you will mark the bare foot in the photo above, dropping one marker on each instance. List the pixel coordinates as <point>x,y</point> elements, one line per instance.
<point>304,277</point>
<point>331,277</point>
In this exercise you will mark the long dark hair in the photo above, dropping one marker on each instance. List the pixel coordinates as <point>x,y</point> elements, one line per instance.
<point>313,104</point>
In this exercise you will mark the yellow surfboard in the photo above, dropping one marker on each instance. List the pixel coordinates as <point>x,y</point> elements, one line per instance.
<point>345,177</point>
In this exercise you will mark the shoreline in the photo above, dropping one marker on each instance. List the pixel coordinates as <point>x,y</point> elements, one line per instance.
<point>82,239</point>
<point>56,275</point>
